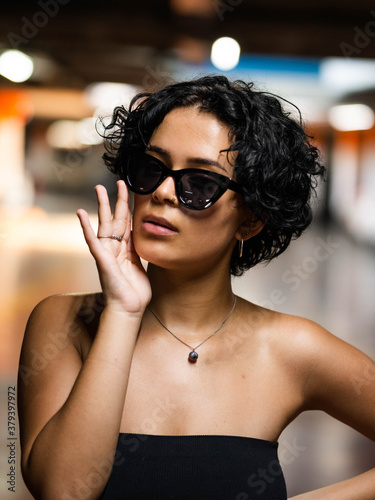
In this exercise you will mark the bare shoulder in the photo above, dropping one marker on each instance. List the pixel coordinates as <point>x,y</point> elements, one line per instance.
<point>58,336</point>
<point>312,343</point>
<point>285,330</point>
<point>335,376</point>
<point>69,304</point>
<point>60,329</point>
<point>65,316</point>
<point>328,373</point>
<point>293,335</point>
<point>316,356</point>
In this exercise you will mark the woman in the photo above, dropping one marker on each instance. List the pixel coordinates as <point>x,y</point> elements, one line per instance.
<point>148,396</point>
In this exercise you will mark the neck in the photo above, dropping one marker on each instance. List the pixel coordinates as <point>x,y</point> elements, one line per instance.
<point>190,303</point>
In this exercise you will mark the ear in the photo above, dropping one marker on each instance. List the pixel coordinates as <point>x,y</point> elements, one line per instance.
<point>250,227</point>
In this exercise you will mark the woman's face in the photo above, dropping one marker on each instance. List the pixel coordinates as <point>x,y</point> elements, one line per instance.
<point>188,138</point>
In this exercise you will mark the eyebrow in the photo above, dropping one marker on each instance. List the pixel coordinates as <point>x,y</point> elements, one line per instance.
<point>194,160</point>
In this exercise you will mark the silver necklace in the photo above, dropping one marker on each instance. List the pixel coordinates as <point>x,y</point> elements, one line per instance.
<point>193,355</point>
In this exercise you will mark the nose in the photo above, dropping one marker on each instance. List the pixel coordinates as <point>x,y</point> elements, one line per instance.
<point>166,192</point>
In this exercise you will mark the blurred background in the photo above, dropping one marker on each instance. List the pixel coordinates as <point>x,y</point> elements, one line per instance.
<point>63,63</point>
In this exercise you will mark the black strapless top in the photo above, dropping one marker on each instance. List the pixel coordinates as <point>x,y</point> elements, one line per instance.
<point>152,467</point>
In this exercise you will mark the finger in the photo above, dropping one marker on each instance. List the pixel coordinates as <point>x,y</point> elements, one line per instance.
<point>104,212</point>
<point>122,216</point>
<point>122,204</point>
<point>88,233</point>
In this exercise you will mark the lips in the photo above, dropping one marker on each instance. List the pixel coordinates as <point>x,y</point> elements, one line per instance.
<point>151,221</point>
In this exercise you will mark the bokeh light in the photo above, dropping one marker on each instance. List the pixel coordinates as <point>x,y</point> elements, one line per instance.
<point>16,66</point>
<point>225,53</point>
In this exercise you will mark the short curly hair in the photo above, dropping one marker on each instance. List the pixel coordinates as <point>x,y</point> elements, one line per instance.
<point>276,164</point>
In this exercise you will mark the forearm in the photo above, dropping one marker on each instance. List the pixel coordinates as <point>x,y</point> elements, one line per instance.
<point>360,487</point>
<point>79,441</point>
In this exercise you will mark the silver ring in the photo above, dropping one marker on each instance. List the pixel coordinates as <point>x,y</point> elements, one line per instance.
<point>113,237</point>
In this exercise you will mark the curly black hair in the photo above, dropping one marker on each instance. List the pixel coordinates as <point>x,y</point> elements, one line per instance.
<point>276,164</point>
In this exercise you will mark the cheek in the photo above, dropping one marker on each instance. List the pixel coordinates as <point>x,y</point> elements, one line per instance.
<point>138,203</point>
<point>137,217</point>
<point>218,225</point>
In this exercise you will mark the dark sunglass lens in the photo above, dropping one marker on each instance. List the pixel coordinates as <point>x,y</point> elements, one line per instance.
<point>143,173</point>
<point>199,190</point>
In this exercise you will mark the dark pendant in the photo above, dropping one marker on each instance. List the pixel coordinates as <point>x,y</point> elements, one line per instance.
<point>193,356</point>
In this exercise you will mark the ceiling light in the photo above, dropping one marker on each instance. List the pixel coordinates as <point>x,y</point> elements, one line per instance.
<point>62,134</point>
<point>16,66</point>
<point>107,95</point>
<point>193,7</point>
<point>87,133</point>
<point>225,53</point>
<point>344,75</point>
<point>72,134</point>
<point>351,117</point>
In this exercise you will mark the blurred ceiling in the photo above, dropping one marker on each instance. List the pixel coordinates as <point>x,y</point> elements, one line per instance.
<point>76,42</point>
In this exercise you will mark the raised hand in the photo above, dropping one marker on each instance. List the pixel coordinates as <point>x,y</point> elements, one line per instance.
<point>124,282</point>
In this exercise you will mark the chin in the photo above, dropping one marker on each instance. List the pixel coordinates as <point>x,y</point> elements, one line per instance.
<point>154,253</point>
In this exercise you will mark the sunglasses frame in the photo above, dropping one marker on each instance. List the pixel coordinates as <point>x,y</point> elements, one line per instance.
<point>224,183</point>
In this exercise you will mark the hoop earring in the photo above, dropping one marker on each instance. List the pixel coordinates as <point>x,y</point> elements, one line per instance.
<point>240,249</point>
